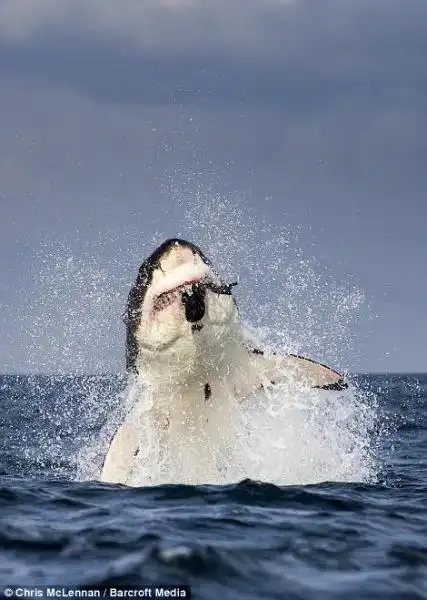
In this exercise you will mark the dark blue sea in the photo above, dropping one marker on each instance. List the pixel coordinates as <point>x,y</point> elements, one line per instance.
<point>247,540</point>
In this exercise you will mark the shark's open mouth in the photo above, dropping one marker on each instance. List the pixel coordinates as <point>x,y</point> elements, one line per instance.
<point>192,294</point>
<point>168,297</point>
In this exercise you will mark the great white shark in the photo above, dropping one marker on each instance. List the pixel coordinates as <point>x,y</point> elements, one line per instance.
<point>186,342</point>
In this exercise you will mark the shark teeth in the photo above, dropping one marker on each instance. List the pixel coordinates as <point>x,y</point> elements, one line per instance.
<point>167,298</point>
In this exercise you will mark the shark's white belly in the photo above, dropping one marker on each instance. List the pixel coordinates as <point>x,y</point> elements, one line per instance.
<point>186,436</point>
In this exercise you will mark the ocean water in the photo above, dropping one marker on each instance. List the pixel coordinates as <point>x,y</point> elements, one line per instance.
<point>337,509</point>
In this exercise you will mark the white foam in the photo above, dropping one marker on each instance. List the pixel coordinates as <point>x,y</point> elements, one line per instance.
<point>287,436</point>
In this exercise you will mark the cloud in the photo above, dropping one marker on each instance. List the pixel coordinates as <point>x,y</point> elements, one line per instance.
<point>236,29</point>
<point>288,53</point>
<point>150,25</point>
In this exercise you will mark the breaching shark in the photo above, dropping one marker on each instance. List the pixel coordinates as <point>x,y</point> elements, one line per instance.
<point>185,340</point>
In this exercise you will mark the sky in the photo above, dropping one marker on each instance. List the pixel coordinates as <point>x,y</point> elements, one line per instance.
<point>287,137</point>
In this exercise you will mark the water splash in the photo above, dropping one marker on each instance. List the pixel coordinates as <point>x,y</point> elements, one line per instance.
<point>289,436</point>
<point>289,299</point>
<point>285,292</point>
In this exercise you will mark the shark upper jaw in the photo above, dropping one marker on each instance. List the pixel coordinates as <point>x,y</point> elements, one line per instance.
<point>176,265</point>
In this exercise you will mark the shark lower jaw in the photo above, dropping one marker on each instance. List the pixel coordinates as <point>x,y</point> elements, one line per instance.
<point>185,360</point>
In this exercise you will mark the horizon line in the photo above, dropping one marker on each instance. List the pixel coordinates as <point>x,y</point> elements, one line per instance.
<point>124,374</point>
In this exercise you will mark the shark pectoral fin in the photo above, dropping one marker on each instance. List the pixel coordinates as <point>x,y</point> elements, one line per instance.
<point>313,373</point>
<point>120,457</point>
<point>278,368</point>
